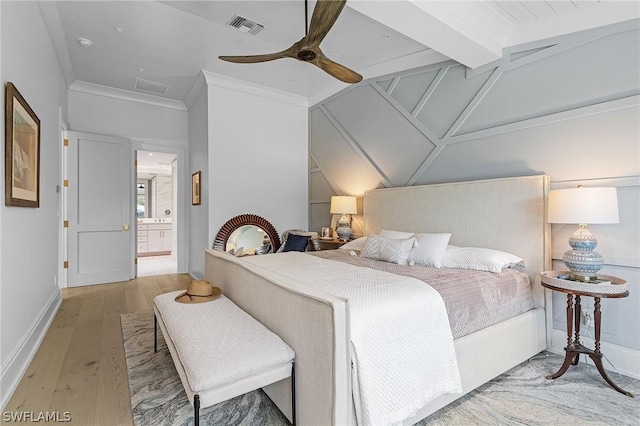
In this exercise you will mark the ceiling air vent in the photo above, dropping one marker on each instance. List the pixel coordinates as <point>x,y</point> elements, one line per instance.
<point>245,25</point>
<point>151,86</point>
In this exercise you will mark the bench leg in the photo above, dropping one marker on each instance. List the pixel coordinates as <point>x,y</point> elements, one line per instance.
<point>155,333</point>
<point>196,410</point>
<point>293,393</point>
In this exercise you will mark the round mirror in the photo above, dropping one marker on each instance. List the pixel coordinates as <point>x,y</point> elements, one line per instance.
<point>247,234</point>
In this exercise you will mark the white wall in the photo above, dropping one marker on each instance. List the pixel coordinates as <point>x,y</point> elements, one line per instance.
<point>257,157</point>
<point>29,295</point>
<point>113,112</point>
<point>152,124</point>
<point>199,161</point>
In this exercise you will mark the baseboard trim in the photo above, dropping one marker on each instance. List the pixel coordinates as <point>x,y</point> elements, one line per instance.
<point>19,360</point>
<point>617,358</point>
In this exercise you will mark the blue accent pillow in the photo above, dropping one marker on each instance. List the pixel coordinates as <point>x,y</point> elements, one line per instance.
<point>296,243</point>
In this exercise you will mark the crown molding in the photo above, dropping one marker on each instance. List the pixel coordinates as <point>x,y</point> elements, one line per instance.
<point>213,79</point>
<point>126,95</point>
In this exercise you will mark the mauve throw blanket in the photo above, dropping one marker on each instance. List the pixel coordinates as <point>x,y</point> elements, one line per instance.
<point>474,299</point>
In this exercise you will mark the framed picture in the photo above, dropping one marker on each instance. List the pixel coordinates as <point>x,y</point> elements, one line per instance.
<point>327,233</point>
<point>22,151</point>
<point>195,189</point>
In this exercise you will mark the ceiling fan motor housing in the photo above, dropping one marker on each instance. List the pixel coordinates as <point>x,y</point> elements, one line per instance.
<point>306,55</point>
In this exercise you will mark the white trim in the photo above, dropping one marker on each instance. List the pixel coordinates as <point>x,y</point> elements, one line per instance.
<point>420,127</point>
<point>355,145</point>
<point>400,67</point>
<point>18,361</point>
<point>474,102</point>
<point>219,80</point>
<point>570,114</point>
<point>432,88</point>
<point>326,177</point>
<point>126,95</point>
<point>624,360</point>
<point>618,182</point>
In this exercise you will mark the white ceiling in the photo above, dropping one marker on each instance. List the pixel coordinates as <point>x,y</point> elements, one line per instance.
<point>150,163</point>
<point>170,42</point>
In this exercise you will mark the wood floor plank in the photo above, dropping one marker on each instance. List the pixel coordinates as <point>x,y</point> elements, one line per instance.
<point>76,388</point>
<point>113,404</point>
<point>183,281</point>
<point>151,289</point>
<point>167,283</point>
<point>35,391</point>
<point>80,366</point>
<point>135,298</point>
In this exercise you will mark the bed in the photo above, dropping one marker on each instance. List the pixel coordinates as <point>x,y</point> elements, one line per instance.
<point>507,214</point>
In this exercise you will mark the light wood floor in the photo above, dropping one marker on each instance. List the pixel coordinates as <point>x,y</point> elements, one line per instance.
<point>80,366</point>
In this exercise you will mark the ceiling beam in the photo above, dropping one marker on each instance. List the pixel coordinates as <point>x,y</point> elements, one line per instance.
<point>435,26</point>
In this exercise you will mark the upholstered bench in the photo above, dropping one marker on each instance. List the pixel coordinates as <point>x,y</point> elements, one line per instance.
<point>220,351</point>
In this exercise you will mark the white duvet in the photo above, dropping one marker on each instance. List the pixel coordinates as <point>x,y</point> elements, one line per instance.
<point>402,348</point>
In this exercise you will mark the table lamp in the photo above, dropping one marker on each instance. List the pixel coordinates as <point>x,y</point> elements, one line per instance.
<point>583,206</point>
<point>344,205</point>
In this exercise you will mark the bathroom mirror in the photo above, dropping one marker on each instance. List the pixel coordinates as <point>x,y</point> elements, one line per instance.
<point>248,232</point>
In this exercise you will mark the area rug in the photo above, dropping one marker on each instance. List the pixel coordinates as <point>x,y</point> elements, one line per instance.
<point>521,396</point>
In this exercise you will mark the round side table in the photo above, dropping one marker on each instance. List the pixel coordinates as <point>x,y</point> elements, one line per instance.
<point>614,288</point>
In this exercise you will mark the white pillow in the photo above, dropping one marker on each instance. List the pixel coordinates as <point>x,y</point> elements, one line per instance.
<point>396,235</point>
<point>357,244</point>
<point>481,259</point>
<point>388,249</point>
<point>430,249</point>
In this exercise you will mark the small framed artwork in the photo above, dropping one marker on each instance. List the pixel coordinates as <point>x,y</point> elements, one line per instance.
<point>195,189</point>
<point>326,233</point>
<point>22,151</point>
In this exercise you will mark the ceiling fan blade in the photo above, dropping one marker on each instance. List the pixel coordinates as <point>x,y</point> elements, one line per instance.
<point>336,70</point>
<point>250,59</point>
<point>324,16</point>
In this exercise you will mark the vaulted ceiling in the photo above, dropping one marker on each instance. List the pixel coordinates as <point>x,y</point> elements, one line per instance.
<point>159,47</point>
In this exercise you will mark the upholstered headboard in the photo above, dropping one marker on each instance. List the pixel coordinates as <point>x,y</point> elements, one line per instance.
<point>508,214</point>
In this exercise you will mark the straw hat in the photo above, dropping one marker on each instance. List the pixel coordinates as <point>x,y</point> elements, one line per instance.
<point>199,291</point>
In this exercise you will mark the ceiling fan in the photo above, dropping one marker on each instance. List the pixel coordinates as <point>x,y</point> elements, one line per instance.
<point>307,49</point>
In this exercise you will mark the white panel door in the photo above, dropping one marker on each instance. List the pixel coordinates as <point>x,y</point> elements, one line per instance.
<point>99,209</point>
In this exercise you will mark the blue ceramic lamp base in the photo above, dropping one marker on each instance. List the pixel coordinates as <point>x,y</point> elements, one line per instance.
<point>582,261</point>
<point>343,230</point>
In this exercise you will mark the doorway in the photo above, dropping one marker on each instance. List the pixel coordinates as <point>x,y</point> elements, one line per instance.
<point>155,211</point>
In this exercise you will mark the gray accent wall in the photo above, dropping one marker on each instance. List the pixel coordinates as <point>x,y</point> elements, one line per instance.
<point>567,107</point>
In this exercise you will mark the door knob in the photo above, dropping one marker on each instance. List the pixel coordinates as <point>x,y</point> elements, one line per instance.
<point>125,227</point>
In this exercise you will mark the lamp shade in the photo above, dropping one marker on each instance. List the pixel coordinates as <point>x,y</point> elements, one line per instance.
<point>583,205</point>
<point>342,204</point>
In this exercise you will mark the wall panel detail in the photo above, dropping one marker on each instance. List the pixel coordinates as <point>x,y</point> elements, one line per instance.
<point>338,160</point>
<point>404,129</point>
<point>375,127</point>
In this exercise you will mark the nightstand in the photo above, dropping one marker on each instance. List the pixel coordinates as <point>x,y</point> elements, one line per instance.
<point>318,244</point>
<point>613,287</point>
